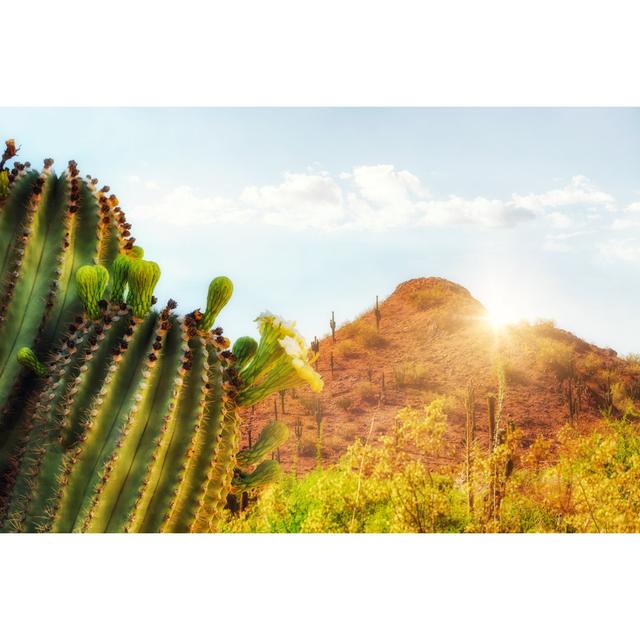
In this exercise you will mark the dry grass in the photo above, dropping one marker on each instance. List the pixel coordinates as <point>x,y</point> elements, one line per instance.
<point>367,392</point>
<point>430,298</point>
<point>410,374</point>
<point>344,403</point>
<point>348,349</point>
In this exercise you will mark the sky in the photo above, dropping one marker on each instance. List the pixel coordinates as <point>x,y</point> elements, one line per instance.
<point>308,211</point>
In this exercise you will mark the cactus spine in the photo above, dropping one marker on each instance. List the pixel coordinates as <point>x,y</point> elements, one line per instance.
<point>115,416</point>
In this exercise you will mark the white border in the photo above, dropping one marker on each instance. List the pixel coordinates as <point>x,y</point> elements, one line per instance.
<point>547,52</point>
<point>335,52</point>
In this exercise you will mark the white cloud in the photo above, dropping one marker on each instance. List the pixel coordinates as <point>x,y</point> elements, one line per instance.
<point>478,211</point>
<point>372,197</point>
<point>627,250</point>
<point>558,220</point>
<point>579,191</point>
<point>634,207</point>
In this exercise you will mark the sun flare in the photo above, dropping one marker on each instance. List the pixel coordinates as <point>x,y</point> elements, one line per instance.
<point>498,319</point>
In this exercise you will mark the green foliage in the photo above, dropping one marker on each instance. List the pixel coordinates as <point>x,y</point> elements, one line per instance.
<point>400,484</point>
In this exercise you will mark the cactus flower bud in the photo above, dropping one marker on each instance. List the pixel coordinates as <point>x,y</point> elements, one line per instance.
<point>120,271</point>
<point>272,436</point>
<point>91,282</point>
<point>137,252</point>
<point>28,359</point>
<point>220,291</point>
<point>143,277</point>
<point>265,473</point>
<point>243,349</point>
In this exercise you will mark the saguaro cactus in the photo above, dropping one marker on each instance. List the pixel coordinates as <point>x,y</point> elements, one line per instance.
<point>116,416</point>
<point>332,324</point>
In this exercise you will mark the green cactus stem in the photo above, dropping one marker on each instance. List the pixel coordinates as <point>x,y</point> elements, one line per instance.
<point>132,419</point>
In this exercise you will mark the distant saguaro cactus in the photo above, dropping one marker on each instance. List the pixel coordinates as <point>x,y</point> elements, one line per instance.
<point>491,413</point>
<point>332,324</point>
<point>298,431</point>
<point>378,314</point>
<point>315,347</point>
<point>470,437</point>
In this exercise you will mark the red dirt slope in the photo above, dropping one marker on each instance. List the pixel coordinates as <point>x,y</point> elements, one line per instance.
<point>434,338</point>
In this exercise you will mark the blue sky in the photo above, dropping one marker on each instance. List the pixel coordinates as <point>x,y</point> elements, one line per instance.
<point>535,211</point>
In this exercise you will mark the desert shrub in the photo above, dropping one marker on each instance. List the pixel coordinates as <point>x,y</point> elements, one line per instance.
<point>513,374</point>
<point>344,402</point>
<point>364,335</point>
<point>368,337</point>
<point>633,359</point>
<point>557,357</point>
<point>622,399</point>
<point>429,298</point>
<point>348,349</point>
<point>308,403</point>
<point>410,374</point>
<point>307,448</point>
<point>366,391</point>
<point>545,327</point>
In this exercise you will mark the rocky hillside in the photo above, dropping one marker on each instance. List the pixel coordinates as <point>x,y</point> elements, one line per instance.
<point>434,339</point>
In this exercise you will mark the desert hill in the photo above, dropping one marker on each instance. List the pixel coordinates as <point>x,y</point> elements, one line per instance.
<point>434,339</point>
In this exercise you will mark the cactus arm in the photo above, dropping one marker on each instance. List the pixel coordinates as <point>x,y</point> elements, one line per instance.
<point>107,415</point>
<point>220,472</point>
<point>175,446</point>
<point>124,471</point>
<point>39,264</point>
<point>193,485</point>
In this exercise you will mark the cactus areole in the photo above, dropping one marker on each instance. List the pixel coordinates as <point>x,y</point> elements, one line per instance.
<point>115,415</point>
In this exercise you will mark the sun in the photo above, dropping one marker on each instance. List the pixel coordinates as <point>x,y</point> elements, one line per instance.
<point>498,319</point>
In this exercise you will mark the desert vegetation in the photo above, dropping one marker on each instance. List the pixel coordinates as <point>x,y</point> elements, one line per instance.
<point>409,481</point>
